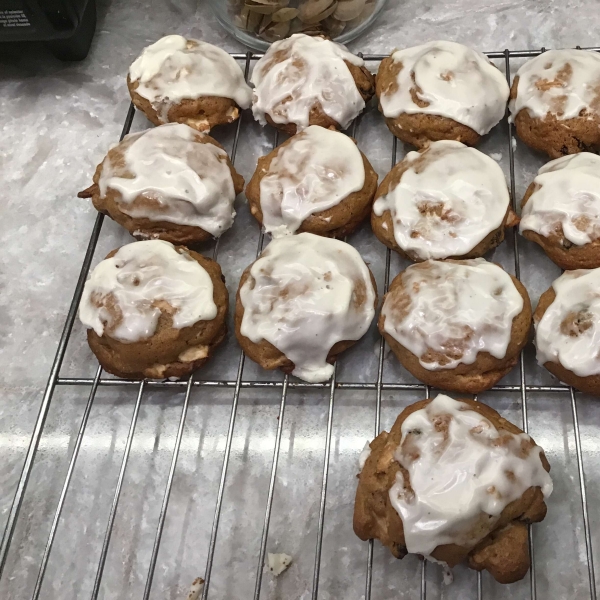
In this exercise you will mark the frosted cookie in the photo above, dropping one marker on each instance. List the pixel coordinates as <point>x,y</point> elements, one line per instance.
<point>453,481</point>
<point>555,102</point>
<point>170,182</point>
<point>446,201</point>
<point>188,81</point>
<point>456,325</point>
<point>305,300</point>
<point>154,310</point>
<point>317,181</point>
<point>567,329</point>
<point>440,91</point>
<point>561,211</point>
<point>304,80</point>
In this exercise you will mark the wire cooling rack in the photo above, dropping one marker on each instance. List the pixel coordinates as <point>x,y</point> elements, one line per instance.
<point>237,385</point>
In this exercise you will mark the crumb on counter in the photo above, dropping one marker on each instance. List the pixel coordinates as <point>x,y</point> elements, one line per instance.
<point>278,563</point>
<point>195,589</point>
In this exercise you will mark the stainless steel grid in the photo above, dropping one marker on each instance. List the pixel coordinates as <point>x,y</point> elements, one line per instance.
<point>237,385</point>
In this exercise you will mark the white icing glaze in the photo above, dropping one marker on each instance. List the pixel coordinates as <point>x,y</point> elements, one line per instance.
<point>454,310</point>
<point>309,70</point>
<point>134,280</point>
<point>315,171</point>
<point>457,82</point>
<point>569,331</point>
<point>559,82</point>
<point>569,198</point>
<point>175,68</point>
<point>447,201</point>
<point>304,294</point>
<point>462,470</point>
<point>184,180</point>
<point>362,459</point>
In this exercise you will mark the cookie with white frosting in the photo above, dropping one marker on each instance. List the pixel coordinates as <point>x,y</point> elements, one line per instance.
<point>306,299</point>
<point>445,201</point>
<point>453,481</point>
<point>567,329</point>
<point>456,325</point>
<point>316,181</point>
<point>561,211</point>
<point>188,81</point>
<point>170,182</point>
<point>308,80</point>
<point>555,102</point>
<point>154,310</point>
<point>440,91</point>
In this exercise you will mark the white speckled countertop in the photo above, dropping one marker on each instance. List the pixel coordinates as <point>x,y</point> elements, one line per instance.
<point>57,120</point>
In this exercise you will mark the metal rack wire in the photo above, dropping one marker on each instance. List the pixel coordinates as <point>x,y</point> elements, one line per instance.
<point>238,384</point>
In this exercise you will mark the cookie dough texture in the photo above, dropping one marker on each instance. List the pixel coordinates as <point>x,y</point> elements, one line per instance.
<point>561,211</point>
<point>179,80</point>
<point>169,352</point>
<point>555,102</point>
<point>303,302</point>
<point>201,189</point>
<point>503,548</point>
<point>304,80</point>
<point>570,336</point>
<point>440,91</point>
<point>300,180</point>
<point>445,201</point>
<point>481,374</point>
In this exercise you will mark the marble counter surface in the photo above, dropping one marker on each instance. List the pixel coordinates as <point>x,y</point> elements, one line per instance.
<point>57,121</point>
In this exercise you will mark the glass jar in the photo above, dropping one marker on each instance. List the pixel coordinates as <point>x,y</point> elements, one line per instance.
<point>257,23</point>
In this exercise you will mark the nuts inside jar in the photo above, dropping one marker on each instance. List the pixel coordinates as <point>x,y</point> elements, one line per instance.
<point>274,20</point>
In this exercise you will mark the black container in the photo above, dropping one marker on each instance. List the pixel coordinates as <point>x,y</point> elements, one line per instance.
<point>67,26</point>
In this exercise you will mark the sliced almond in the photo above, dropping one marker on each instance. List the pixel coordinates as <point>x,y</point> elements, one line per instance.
<point>254,20</point>
<point>266,21</point>
<point>333,26</point>
<point>285,14</point>
<point>267,2</point>
<point>365,14</point>
<point>276,31</point>
<point>349,9</point>
<point>322,16</point>
<point>296,26</point>
<point>309,9</point>
<point>261,9</point>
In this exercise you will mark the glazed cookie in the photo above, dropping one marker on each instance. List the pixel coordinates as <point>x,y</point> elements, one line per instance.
<point>567,329</point>
<point>456,325</point>
<point>304,80</point>
<point>170,182</point>
<point>561,211</point>
<point>440,91</point>
<point>188,81</point>
<point>446,201</point>
<point>453,481</point>
<point>154,310</point>
<point>317,181</point>
<point>305,300</point>
<point>555,102</point>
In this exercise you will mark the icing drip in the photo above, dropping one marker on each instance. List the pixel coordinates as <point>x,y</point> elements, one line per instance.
<point>568,198</point>
<point>462,473</point>
<point>304,294</point>
<point>181,180</point>
<point>449,198</point>
<point>315,171</point>
<point>559,82</point>
<point>175,68</point>
<point>301,71</point>
<point>447,312</point>
<point>569,331</point>
<point>449,80</point>
<point>124,295</point>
